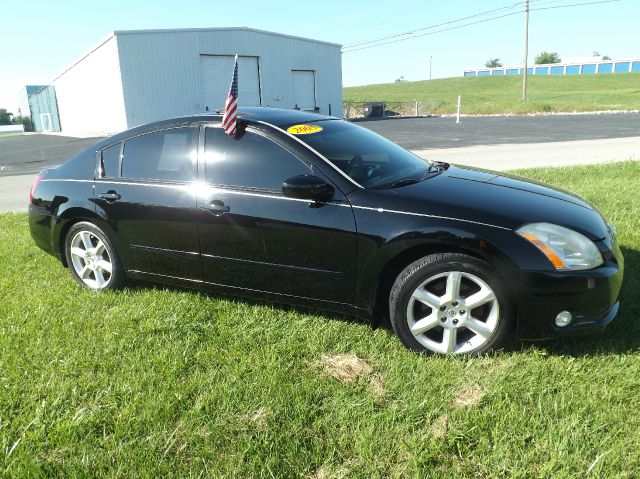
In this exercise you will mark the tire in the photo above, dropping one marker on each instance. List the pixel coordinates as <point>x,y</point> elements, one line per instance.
<point>450,303</point>
<point>92,258</point>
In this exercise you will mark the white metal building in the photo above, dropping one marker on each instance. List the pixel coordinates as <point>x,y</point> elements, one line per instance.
<point>134,77</point>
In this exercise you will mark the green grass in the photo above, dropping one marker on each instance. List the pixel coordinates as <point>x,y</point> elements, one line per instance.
<point>487,95</point>
<point>153,382</point>
<point>4,135</point>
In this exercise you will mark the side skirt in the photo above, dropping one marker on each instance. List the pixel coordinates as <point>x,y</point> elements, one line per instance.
<point>251,293</point>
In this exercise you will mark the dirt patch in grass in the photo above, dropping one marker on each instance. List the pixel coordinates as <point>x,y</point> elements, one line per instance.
<point>259,418</point>
<point>469,395</point>
<point>440,426</point>
<point>324,472</point>
<point>349,368</point>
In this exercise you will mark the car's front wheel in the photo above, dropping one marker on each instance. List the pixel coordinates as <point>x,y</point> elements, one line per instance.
<point>451,304</point>
<point>92,258</point>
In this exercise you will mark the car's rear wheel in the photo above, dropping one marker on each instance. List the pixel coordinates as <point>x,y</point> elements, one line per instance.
<point>450,304</point>
<point>92,258</point>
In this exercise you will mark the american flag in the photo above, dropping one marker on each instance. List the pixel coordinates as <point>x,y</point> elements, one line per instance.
<point>231,105</point>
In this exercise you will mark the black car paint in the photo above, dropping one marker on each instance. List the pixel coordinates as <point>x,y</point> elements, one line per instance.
<point>341,255</point>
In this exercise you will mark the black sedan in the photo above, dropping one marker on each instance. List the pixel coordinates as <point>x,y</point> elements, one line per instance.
<point>313,210</point>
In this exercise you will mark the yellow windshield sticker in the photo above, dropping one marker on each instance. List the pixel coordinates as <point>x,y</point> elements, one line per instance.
<point>304,129</point>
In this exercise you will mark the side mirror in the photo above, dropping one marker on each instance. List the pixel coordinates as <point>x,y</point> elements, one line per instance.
<point>308,187</point>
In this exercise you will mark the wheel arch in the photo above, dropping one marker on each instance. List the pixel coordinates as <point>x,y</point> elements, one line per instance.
<point>394,266</point>
<point>65,222</point>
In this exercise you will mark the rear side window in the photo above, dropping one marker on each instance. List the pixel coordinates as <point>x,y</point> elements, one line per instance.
<point>110,161</point>
<point>253,161</point>
<point>162,155</point>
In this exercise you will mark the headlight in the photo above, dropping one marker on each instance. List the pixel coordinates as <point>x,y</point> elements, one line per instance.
<point>565,248</point>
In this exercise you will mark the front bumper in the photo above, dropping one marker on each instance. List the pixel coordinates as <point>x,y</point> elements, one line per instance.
<point>590,296</point>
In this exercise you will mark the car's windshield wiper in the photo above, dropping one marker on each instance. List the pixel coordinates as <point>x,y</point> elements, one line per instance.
<point>403,182</point>
<point>432,170</point>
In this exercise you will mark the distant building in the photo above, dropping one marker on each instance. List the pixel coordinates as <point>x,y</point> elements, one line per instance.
<point>135,77</point>
<point>575,66</point>
<point>39,103</point>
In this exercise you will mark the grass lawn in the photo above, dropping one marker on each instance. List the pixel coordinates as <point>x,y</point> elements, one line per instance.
<point>154,382</point>
<point>486,95</point>
<point>11,133</point>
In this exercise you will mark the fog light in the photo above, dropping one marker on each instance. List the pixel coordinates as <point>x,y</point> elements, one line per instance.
<point>563,319</point>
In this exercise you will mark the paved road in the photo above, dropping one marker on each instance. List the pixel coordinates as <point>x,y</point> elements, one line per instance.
<point>14,192</point>
<point>28,154</point>
<point>531,155</point>
<point>437,132</point>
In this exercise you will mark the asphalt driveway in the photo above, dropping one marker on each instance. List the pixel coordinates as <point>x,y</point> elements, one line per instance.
<point>28,154</point>
<point>443,132</point>
<point>496,143</point>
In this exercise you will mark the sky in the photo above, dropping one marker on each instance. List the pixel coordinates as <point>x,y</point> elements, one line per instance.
<point>42,37</point>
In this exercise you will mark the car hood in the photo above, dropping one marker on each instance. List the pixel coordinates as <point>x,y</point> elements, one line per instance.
<point>497,199</point>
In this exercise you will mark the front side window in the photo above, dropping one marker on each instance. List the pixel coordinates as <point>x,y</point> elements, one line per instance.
<point>253,161</point>
<point>369,159</point>
<point>110,161</point>
<point>161,155</point>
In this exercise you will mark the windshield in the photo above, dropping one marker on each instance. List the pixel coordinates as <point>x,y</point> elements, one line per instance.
<point>369,159</point>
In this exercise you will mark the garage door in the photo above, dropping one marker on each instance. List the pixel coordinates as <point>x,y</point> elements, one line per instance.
<point>304,89</point>
<point>216,72</point>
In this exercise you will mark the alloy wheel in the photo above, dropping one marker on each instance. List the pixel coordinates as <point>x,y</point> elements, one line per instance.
<point>91,260</point>
<point>453,312</point>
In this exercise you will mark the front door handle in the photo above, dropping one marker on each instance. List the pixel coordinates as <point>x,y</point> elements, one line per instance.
<point>217,207</point>
<point>109,196</point>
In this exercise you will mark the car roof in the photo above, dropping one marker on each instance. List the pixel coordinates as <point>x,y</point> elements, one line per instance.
<point>275,116</point>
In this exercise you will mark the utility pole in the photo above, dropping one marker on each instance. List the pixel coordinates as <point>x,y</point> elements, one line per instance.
<point>526,49</point>
<point>430,58</point>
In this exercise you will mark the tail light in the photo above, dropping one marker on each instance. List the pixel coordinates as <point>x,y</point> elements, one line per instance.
<point>33,188</point>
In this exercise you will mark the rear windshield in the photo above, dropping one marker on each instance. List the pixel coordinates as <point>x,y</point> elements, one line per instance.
<point>369,159</point>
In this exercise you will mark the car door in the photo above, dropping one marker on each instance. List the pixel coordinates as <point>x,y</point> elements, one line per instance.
<point>144,190</point>
<point>255,238</point>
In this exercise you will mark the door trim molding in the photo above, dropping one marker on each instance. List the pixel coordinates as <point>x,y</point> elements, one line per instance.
<point>273,265</point>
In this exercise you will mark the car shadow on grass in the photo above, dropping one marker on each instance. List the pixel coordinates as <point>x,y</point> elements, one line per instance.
<point>620,337</point>
<point>250,301</point>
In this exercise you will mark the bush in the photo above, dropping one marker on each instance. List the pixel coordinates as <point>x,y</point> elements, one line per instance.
<point>547,57</point>
<point>25,121</point>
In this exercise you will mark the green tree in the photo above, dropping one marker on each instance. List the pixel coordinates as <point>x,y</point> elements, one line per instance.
<point>606,57</point>
<point>6,118</point>
<point>25,121</point>
<point>493,63</point>
<point>547,57</point>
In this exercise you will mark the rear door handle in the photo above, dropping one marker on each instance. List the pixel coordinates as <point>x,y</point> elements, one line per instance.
<point>109,196</point>
<point>217,207</point>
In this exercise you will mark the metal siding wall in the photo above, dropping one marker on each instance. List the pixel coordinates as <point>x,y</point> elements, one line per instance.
<point>161,70</point>
<point>90,94</point>
<point>597,66</point>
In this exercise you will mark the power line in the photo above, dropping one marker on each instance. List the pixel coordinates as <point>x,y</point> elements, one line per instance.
<point>575,5</point>
<point>374,40</point>
<point>379,42</point>
<point>433,33</point>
